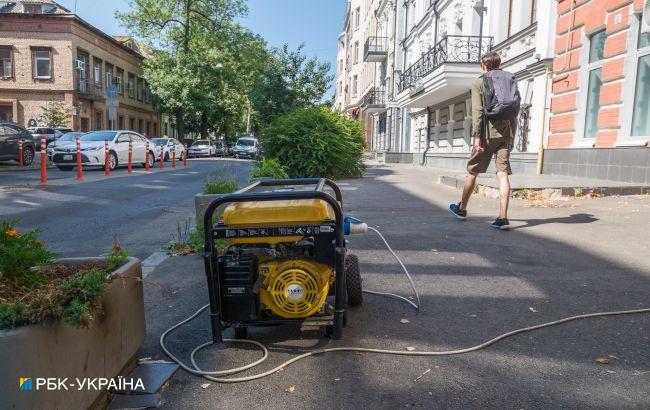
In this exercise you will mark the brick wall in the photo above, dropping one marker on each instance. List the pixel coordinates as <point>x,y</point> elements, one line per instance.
<point>576,19</point>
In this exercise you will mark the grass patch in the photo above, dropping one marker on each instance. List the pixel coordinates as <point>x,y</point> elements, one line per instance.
<point>220,185</point>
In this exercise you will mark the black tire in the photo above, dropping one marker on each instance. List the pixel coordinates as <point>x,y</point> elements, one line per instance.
<point>112,161</point>
<point>64,167</point>
<point>241,332</point>
<point>28,156</point>
<point>353,280</point>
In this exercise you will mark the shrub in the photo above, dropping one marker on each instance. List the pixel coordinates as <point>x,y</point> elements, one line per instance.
<point>316,142</point>
<point>19,253</point>
<point>268,168</point>
<point>220,185</point>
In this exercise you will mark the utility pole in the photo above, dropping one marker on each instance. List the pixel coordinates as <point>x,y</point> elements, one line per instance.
<point>248,120</point>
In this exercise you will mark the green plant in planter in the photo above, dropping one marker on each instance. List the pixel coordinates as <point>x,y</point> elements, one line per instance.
<point>219,185</point>
<point>19,254</point>
<point>268,168</point>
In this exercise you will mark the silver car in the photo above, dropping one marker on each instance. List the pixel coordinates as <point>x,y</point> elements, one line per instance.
<point>202,148</point>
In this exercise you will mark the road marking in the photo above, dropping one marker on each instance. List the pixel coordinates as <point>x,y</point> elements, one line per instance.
<point>150,264</point>
<point>20,201</point>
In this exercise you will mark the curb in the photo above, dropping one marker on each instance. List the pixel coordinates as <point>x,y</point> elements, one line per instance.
<point>549,192</point>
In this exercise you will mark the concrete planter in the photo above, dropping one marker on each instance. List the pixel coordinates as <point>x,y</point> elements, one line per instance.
<point>201,202</point>
<point>104,350</point>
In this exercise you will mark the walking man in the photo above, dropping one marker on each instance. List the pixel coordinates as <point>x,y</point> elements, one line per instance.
<point>495,106</point>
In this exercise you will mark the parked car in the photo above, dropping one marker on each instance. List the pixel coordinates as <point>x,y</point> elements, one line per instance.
<point>50,134</point>
<point>92,150</point>
<point>169,145</point>
<point>64,139</point>
<point>10,136</point>
<point>202,148</point>
<point>246,147</point>
<point>222,149</point>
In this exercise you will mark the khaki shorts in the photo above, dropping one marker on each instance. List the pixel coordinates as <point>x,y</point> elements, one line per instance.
<point>480,161</point>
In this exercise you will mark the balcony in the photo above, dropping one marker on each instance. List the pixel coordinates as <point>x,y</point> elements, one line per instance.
<point>375,49</point>
<point>443,72</point>
<point>374,101</point>
<point>89,89</point>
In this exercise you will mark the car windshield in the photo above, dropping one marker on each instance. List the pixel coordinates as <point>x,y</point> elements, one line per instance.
<point>70,136</point>
<point>197,143</point>
<point>160,141</point>
<point>99,136</point>
<point>246,143</point>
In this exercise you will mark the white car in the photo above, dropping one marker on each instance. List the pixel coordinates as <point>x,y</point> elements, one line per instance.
<point>202,148</point>
<point>65,139</point>
<point>169,145</point>
<point>92,150</point>
<point>246,147</point>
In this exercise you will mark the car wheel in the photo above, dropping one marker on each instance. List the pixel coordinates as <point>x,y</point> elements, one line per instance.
<point>152,160</point>
<point>64,167</point>
<point>112,160</point>
<point>28,156</point>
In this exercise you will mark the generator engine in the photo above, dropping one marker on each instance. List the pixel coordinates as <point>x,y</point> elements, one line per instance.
<point>280,254</point>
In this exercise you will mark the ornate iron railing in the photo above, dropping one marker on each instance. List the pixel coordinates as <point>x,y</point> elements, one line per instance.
<point>375,45</point>
<point>89,88</point>
<point>451,49</point>
<point>375,96</point>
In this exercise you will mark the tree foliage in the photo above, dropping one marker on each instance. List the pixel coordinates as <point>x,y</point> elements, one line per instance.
<point>288,81</point>
<point>55,114</point>
<point>316,142</point>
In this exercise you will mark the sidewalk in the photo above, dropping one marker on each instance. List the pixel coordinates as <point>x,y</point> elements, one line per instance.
<point>474,282</point>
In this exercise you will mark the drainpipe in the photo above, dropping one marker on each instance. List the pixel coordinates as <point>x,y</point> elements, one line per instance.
<point>480,34</point>
<point>543,141</point>
<point>436,13</point>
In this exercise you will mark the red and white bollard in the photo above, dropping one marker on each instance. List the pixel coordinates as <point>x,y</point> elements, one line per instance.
<point>146,157</point>
<point>185,156</point>
<point>43,162</point>
<point>107,160</point>
<point>162,157</point>
<point>130,166</point>
<point>20,153</point>
<point>80,172</point>
<point>173,155</point>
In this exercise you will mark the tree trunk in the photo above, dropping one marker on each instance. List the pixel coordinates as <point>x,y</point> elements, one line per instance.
<point>204,125</point>
<point>180,124</point>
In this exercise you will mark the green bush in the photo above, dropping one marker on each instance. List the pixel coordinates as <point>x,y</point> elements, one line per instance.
<point>19,253</point>
<point>316,142</point>
<point>219,185</point>
<point>268,168</point>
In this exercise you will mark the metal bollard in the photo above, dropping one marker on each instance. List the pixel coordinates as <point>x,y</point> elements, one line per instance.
<point>80,173</point>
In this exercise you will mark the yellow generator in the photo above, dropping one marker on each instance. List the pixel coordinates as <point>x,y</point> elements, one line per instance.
<point>284,255</point>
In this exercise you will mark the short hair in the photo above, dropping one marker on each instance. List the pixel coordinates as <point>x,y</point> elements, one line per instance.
<point>491,60</point>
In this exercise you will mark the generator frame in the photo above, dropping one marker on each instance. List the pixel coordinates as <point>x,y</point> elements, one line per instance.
<point>211,252</point>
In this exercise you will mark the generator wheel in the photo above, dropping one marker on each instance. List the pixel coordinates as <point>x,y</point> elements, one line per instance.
<point>241,332</point>
<point>353,280</point>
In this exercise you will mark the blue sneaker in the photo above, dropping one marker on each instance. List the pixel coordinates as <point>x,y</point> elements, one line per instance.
<point>455,209</point>
<point>501,224</point>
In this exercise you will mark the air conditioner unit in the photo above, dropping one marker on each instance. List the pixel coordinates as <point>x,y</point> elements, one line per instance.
<point>79,64</point>
<point>645,20</point>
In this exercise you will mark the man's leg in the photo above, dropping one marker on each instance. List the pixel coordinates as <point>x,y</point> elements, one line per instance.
<point>504,194</point>
<point>468,190</point>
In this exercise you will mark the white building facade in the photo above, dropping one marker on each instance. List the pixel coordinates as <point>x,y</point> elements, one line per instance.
<point>432,54</point>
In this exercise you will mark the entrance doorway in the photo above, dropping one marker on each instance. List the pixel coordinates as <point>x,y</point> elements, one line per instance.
<point>6,113</point>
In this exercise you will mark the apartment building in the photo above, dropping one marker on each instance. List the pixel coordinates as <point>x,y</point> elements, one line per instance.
<point>600,112</point>
<point>49,54</point>
<point>443,43</point>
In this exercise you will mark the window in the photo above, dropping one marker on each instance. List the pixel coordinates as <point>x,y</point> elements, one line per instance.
<point>120,122</point>
<point>42,62</point>
<point>119,81</point>
<point>356,52</point>
<point>357,18</point>
<point>355,85</point>
<point>595,69</point>
<point>139,90</point>
<point>521,14</point>
<point>109,76</point>
<point>130,87</point>
<point>97,71</point>
<point>99,120</point>
<point>33,8</point>
<point>132,124</point>
<point>147,94</point>
<point>641,106</point>
<point>6,62</point>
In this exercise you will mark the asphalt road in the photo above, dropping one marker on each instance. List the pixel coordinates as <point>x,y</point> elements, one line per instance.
<point>562,259</point>
<point>142,211</point>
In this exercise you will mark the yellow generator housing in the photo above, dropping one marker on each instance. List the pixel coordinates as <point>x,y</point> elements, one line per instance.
<point>285,256</point>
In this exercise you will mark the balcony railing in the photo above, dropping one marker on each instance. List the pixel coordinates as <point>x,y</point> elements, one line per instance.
<point>374,100</point>
<point>89,89</point>
<point>375,49</point>
<point>451,49</point>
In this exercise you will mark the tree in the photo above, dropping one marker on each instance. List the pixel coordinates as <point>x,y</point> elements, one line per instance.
<point>55,114</point>
<point>288,81</point>
<point>183,34</point>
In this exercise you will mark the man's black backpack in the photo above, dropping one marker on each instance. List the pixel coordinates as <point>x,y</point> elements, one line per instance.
<point>501,95</point>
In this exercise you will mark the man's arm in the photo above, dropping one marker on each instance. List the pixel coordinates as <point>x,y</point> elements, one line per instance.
<point>477,108</point>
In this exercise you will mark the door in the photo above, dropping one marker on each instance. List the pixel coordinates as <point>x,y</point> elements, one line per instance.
<point>121,148</point>
<point>84,125</point>
<point>6,113</point>
<point>139,148</point>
